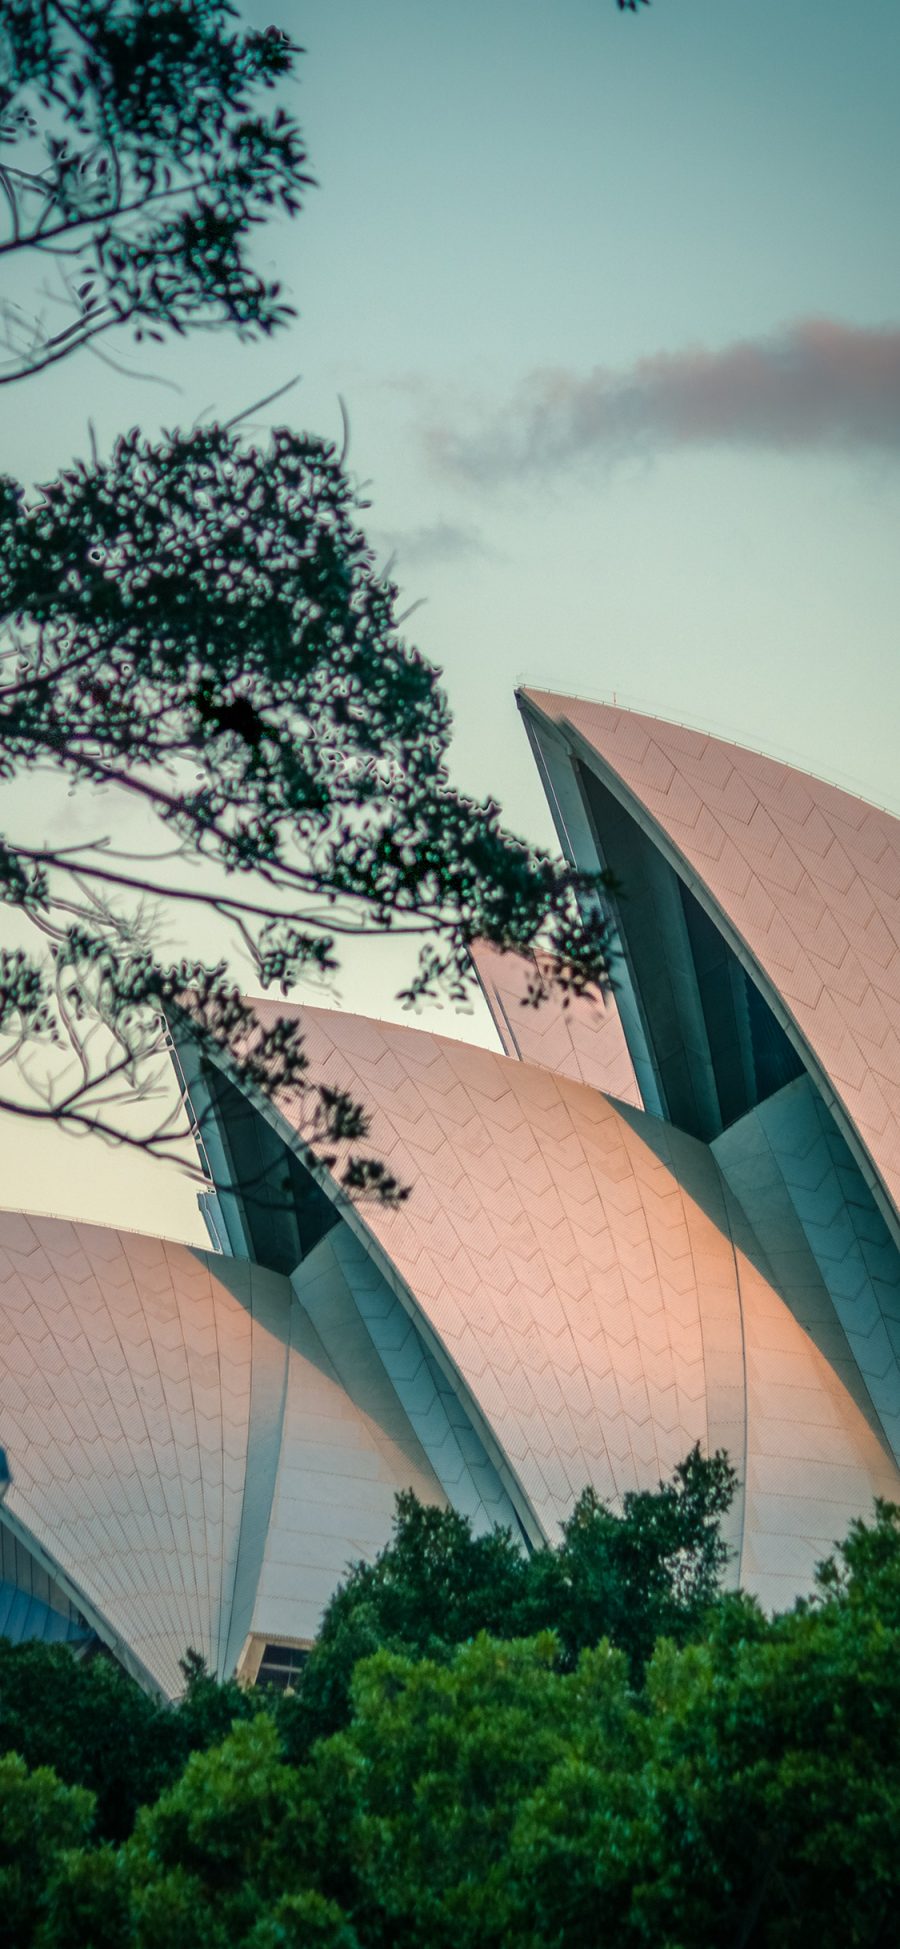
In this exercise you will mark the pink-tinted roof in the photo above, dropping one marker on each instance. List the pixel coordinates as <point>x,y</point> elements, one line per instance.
<point>584,1040</point>
<point>577,1262</point>
<point>125,1404</point>
<point>180,1445</point>
<point>548,1249</point>
<point>807,879</point>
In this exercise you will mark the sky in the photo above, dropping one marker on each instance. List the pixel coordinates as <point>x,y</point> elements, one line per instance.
<point>614,304</point>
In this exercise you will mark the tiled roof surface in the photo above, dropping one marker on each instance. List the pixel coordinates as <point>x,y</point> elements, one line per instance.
<point>584,1040</point>
<point>343,1455</point>
<point>549,1248</point>
<point>124,1399</point>
<point>578,1263</point>
<point>814,1459</point>
<point>379,1356</point>
<point>182,1449</point>
<point>807,876</point>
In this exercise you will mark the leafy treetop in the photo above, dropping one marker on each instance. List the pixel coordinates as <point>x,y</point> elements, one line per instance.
<point>197,627</point>
<point>740,1792</point>
<point>654,1569</point>
<point>136,164</point>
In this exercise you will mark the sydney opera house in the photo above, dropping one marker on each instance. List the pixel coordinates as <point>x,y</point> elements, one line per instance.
<point>674,1218</point>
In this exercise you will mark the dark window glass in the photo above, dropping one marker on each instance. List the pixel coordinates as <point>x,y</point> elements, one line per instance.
<point>280,1666</point>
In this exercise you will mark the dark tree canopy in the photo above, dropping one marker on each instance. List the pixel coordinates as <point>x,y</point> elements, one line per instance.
<point>738,1789</point>
<point>653,1570</point>
<point>136,162</point>
<point>198,628</point>
<point>433,1587</point>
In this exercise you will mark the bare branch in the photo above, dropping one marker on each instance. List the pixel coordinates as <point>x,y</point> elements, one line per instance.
<point>258,404</point>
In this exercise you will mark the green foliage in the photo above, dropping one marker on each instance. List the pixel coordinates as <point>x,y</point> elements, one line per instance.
<point>432,1587</point>
<point>651,1572</point>
<point>39,1820</point>
<point>91,1723</point>
<point>208,1709</point>
<point>747,1793</point>
<point>198,627</point>
<point>136,159</point>
<point>98,1730</point>
<point>764,1811</point>
<point>743,1793</point>
<point>303,1921</point>
<point>436,1765</point>
<point>219,1843</point>
<point>864,1576</point>
<point>654,1569</point>
<point>225,1858</point>
<point>87,1900</point>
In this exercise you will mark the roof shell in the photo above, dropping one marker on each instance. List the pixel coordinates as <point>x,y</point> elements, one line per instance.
<point>807,880</point>
<point>125,1397</point>
<point>546,1246</point>
<point>584,1272</point>
<point>186,1464</point>
<point>583,1039</point>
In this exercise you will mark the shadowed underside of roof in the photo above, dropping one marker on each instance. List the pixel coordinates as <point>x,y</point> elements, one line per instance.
<point>800,878</point>
<point>32,1605</point>
<point>593,1291</point>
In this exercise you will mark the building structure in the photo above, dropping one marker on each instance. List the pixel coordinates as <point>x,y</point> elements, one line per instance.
<point>667,1220</point>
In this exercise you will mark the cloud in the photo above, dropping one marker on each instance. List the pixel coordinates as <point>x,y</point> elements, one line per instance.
<point>441,541</point>
<point>817,384</point>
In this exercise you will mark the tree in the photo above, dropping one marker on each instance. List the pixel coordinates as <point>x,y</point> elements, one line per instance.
<point>764,1808</point>
<point>137,163</point>
<point>196,627</point>
<point>89,1722</point>
<point>653,1570</point>
<point>39,1821</point>
<point>98,1730</point>
<point>740,1792</point>
<point>743,1795</point>
<point>650,1573</point>
<point>225,1858</point>
<point>424,1790</point>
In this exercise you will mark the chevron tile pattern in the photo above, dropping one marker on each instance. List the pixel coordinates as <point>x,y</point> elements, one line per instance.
<point>380,1357</point>
<point>583,1040</point>
<point>124,1395</point>
<point>813,1460</point>
<point>183,1453</point>
<point>846,1236</point>
<point>807,876</point>
<point>342,1459</point>
<point>548,1248</point>
<point>598,1291</point>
